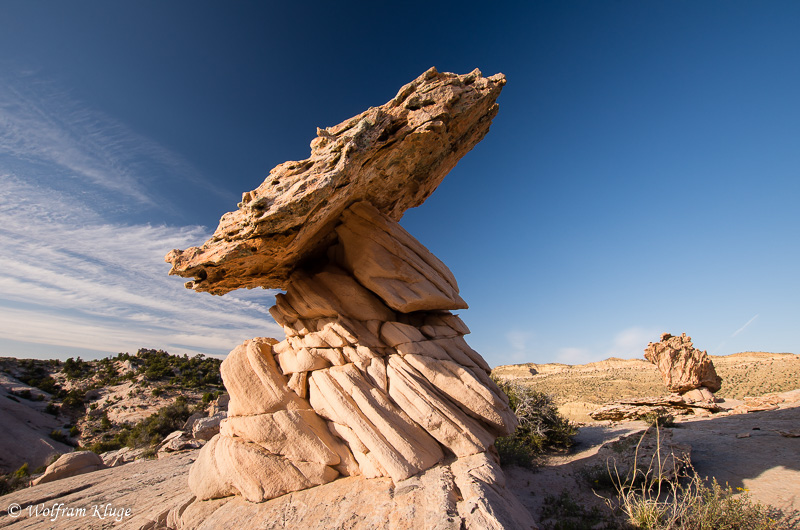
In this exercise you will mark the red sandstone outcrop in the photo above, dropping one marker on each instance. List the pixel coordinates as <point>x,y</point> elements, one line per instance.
<point>374,377</point>
<point>685,369</point>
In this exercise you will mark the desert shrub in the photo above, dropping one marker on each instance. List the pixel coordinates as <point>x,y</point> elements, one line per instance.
<point>185,371</point>
<point>107,373</point>
<point>76,368</point>
<point>660,419</point>
<point>155,427</point>
<point>148,432</point>
<point>14,481</point>
<point>102,446</point>
<point>22,472</point>
<point>59,436</point>
<point>74,399</point>
<point>52,408</point>
<point>35,373</point>
<point>687,501</point>
<point>700,505</point>
<point>563,513</point>
<point>541,427</point>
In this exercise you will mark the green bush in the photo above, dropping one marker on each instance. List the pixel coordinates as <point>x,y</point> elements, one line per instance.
<point>541,427</point>
<point>563,513</point>
<point>34,373</point>
<point>103,446</point>
<point>149,431</point>
<point>185,371</point>
<point>22,472</point>
<point>14,481</point>
<point>660,419</point>
<point>77,369</point>
<point>700,505</point>
<point>60,437</point>
<point>74,399</point>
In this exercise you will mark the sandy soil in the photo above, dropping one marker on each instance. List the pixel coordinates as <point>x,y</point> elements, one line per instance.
<point>765,463</point>
<point>744,451</point>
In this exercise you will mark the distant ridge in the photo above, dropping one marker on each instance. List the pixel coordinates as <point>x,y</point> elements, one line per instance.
<point>578,389</point>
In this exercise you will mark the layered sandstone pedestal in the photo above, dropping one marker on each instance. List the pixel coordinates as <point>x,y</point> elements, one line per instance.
<point>374,378</point>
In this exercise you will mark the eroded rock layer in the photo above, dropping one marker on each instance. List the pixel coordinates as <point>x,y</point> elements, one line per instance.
<point>358,387</point>
<point>393,156</point>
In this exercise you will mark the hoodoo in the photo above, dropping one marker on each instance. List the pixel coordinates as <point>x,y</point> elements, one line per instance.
<point>374,377</point>
<point>684,369</point>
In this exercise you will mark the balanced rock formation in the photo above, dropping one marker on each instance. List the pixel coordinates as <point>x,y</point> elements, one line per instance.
<point>684,369</point>
<point>688,374</point>
<point>374,377</point>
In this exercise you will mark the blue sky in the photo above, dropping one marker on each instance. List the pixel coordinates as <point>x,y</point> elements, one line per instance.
<point>641,176</point>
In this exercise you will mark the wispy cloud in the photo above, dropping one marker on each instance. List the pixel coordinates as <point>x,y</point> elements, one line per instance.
<point>572,355</point>
<point>73,275</point>
<point>627,343</point>
<point>745,326</point>
<point>518,350</point>
<point>631,342</point>
<point>719,349</point>
<point>70,279</point>
<point>44,132</point>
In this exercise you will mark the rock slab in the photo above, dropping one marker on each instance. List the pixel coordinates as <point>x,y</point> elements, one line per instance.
<point>468,493</point>
<point>393,156</point>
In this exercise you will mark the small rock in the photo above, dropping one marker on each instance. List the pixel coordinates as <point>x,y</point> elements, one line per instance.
<point>206,428</point>
<point>71,464</point>
<point>790,434</point>
<point>178,441</point>
<point>189,424</point>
